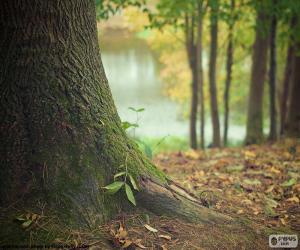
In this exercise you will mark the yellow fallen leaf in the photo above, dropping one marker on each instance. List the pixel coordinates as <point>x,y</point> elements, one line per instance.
<point>275,170</point>
<point>139,244</point>
<point>167,237</point>
<point>127,243</point>
<point>151,229</point>
<point>192,154</point>
<point>293,199</point>
<point>163,247</point>
<point>249,155</point>
<point>283,221</point>
<point>241,211</point>
<point>270,189</point>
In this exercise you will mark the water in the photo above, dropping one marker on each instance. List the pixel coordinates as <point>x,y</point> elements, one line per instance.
<point>133,74</point>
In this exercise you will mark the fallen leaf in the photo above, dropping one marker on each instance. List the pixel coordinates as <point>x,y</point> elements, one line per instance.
<point>163,247</point>
<point>151,229</point>
<point>293,199</point>
<point>289,183</point>
<point>167,237</point>
<point>127,243</point>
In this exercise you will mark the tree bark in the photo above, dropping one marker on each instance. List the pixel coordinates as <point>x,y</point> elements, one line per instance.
<point>293,115</point>
<point>272,77</point>
<point>254,133</point>
<point>212,74</point>
<point>61,136</point>
<point>229,63</point>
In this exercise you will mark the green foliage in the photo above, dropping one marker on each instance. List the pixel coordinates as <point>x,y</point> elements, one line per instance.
<point>120,182</point>
<point>107,8</point>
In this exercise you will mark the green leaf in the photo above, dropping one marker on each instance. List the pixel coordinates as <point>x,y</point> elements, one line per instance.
<point>127,125</point>
<point>114,187</point>
<point>133,182</point>
<point>119,174</point>
<point>26,224</point>
<point>133,109</point>
<point>289,183</point>
<point>129,194</point>
<point>140,110</point>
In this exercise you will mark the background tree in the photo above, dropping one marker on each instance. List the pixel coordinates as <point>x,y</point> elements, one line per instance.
<point>293,114</point>
<point>254,132</point>
<point>229,62</point>
<point>188,17</point>
<point>214,7</point>
<point>201,12</point>
<point>288,73</point>
<point>272,72</point>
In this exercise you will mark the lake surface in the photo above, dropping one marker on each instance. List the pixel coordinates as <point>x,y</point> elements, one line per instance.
<point>133,74</point>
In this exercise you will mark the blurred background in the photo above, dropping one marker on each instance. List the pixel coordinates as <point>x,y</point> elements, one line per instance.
<point>196,74</point>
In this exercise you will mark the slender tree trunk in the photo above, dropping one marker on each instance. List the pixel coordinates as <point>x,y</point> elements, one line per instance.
<point>200,72</point>
<point>229,63</point>
<point>293,115</point>
<point>288,72</point>
<point>272,78</point>
<point>212,74</point>
<point>191,52</point>
<point>61,138</point>
<point>259,66</point>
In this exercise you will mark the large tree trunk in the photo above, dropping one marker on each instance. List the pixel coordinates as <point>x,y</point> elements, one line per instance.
<point>212,74</point>
<point>258,72</point>
<point>200,72</point>
<point>61,136</point>
<point>272,77</point>
<point>293,115</point>
<point>229,63</point>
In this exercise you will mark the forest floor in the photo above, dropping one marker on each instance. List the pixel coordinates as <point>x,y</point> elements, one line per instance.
<point>259,184</point>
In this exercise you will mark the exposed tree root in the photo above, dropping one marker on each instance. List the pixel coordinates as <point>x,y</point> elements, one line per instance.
<point>172,200</point>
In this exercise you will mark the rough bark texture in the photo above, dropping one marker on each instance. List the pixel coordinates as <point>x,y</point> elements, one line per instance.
<point>61,136</point>
<point>254,132</point>
<point>293,115</point>
<point>212,74</point>
<point>272,77</point>
<point>229,62</point>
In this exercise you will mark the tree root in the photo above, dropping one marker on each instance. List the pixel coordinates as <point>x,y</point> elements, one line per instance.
<point>172,200</point>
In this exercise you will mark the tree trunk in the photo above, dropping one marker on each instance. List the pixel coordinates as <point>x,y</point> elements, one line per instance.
<point>272,77</point>
<point>259,65</point>
<point>61,136</point>
<point>200,72</point>
<point>229,63</point>
<point>293,115</point>
<point>212,74</point>
<point>288,72</point>
<point>191,49</point>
